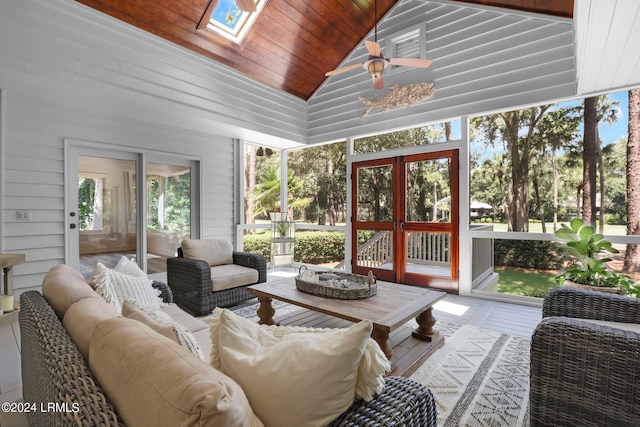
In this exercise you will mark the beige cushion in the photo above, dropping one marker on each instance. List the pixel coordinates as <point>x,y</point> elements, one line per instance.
<point>214,252</point>
<point>232,275</point>
<point>63,286</point>
<point>300,379</point>
<point>153,382</point>
<point>188,321</point>
<point>203,337</point>
<point>162,323</point>
<point>82,317</point>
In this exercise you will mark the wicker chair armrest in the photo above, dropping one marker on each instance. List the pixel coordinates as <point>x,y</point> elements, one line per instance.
<point>402,403</point>
<point>583,374</point>
<point>186,274</point>
<point>583,304</point>
<point>252,260</point>
<point>166,294</point>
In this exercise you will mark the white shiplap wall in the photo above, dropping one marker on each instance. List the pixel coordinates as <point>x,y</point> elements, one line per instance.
<point>484,59</point>
<point>68,72</point>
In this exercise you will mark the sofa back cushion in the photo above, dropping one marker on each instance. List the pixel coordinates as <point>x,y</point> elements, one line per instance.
<point>153,381</point>
<point>213,251</point>
<point>82,317</point>
<point>63,286</point>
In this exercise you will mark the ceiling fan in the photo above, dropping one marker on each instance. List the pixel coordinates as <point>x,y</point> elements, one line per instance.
<point>376,63</point>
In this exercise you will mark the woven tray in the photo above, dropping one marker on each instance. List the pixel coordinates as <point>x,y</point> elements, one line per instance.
<point>335,285</point>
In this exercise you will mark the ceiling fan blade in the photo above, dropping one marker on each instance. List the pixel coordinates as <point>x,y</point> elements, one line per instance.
<point>246,5</point>
<point>373,48</point>
<point>206,16</point>
<point>411,62</point>
<point>378,82</point>
<point>342,70</point>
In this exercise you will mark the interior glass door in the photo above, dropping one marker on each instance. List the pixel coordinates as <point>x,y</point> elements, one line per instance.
<point>168,212</point>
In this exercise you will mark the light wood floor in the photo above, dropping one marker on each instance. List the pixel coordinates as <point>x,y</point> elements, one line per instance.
<point>513,319</point>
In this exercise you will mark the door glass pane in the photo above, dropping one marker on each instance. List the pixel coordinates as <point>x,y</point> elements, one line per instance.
<point>375,193</point>
<point>429,253</point>
<point>428,191</point>
<point>375,249</point>
<point>106,211</point>
<point>168,212</point>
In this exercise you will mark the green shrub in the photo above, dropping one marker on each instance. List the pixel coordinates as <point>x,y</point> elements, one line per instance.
<point>260,243</point>
<point>311,247</point>
<point>538,254</point>
<point>316,247</point>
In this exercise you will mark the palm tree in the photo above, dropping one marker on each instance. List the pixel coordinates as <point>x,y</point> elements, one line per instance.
<point>632,254</point>
<point>266,194</point>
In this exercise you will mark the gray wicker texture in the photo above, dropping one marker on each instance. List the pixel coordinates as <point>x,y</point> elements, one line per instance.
<point>582,373</point>
<point>166,294</point>
<point>404,403</point>
<point>54,371</point>
<point>190,282</point>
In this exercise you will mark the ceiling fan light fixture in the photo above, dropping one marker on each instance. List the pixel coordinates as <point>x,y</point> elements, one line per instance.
<point>375,67</point>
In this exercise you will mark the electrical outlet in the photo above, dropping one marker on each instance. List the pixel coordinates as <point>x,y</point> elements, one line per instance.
<point>23,215</point>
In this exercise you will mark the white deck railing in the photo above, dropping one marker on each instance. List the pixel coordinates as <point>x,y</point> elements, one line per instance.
<point>422,248</point>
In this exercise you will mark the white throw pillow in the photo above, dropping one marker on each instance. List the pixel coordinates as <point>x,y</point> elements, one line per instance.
<point>371,371</point>
<point>116,287</point>
<point>298,379</point>
<point>129,267</point>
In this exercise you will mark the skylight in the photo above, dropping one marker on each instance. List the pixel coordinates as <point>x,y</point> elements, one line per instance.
<point>231,22</point>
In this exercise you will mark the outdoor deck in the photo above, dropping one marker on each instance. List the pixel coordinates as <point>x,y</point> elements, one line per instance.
<point>513,319</point>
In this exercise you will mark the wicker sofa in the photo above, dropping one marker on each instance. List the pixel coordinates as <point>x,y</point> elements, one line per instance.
<point>55,371</point>
<point>585,360</point>
<point>208,274</point>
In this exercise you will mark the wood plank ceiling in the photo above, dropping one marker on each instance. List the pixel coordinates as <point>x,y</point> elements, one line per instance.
<point>292,43</point>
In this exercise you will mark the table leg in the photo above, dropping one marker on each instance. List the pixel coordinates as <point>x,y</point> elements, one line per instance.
<point>266,311</point>
<point>382,338</point>
<point>425,329</point>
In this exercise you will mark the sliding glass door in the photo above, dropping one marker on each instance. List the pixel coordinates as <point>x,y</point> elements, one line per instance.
<point>168,212</point>
<point>112,212</point>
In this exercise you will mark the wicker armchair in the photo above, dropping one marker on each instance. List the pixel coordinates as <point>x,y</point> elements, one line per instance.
<point>585,373</point>
<point>190,281</point>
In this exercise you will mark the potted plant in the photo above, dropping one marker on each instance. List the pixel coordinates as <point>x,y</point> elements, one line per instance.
<point>283,228</point>
<point>590,271</point>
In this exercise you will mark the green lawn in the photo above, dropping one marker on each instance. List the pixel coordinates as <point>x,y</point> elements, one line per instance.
<point>525,282</point>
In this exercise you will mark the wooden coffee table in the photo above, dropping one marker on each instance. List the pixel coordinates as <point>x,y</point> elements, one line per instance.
<point>389,311</point>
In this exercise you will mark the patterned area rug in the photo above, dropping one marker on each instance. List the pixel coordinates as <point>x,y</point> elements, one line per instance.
<point>479,377</point>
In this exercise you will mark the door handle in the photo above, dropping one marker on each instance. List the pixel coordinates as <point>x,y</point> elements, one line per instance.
<point>402,226</point>
<point>72,226</point>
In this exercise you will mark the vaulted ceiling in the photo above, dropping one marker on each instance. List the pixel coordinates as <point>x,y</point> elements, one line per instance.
<point>292,43</point>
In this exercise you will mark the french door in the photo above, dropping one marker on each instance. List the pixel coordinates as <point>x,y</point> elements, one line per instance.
<point>405,221</point>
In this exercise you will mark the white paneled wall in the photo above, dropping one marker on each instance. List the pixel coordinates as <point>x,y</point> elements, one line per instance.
<point>484,59</point>
<point>68,72</point>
